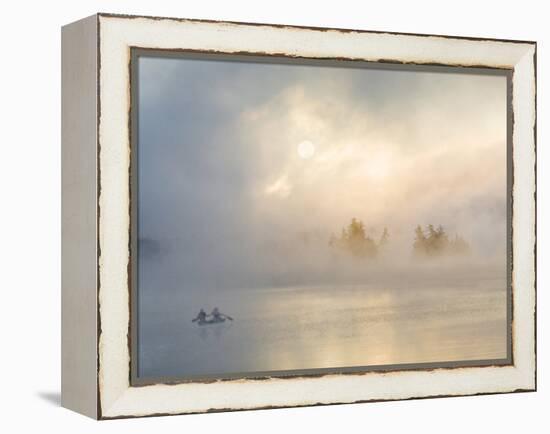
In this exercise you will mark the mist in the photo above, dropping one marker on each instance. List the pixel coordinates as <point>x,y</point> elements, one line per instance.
<point>226,200</point>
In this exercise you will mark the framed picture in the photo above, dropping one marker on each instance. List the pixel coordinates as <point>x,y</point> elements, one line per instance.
<point>262,216</point>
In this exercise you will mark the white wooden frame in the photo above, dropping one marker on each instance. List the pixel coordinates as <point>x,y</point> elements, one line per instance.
<point>96,219</point>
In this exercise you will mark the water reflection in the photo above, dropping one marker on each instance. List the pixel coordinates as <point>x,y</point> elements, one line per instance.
<point>324,327</point>
<point>213,331</point>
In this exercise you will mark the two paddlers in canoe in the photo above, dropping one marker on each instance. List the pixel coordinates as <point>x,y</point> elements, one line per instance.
<point>214,317</point>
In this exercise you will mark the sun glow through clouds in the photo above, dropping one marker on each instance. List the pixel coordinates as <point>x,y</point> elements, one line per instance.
<point>306,149</point>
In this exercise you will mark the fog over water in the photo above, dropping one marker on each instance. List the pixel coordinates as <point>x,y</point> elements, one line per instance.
<point>248,170</point>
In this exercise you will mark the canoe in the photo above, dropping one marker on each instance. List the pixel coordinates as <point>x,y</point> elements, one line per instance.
<point>210,321</point>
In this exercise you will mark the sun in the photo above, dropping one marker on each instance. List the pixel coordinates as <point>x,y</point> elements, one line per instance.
<point>306,149</point>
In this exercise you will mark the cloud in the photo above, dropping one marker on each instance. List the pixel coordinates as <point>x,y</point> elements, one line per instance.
<point>280,187</point>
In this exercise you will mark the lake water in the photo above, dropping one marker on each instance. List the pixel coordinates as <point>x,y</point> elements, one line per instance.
<point>323,326</point>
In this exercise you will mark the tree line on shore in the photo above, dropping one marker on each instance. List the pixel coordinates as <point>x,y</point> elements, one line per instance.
<point>428,243</point>
<point>435,242</point>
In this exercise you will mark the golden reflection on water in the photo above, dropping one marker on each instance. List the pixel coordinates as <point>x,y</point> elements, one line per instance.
<point>385,327</point>
<point>322,327</point>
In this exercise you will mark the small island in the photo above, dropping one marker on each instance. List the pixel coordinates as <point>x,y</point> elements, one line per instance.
<point>430,242</point>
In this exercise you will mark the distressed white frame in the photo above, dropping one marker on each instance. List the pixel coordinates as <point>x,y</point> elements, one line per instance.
<point>116,35</point>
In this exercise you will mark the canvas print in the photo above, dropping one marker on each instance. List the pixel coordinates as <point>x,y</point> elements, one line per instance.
<point>298,217</point>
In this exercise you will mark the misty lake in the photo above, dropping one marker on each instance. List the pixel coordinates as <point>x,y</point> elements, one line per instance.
<point>324,326</point>
<point>335,224</point>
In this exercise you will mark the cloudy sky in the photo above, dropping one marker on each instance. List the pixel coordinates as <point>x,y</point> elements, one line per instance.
<point>238,160</point>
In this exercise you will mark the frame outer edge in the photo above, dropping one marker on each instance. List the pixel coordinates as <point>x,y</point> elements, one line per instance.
<point>116,411</point>
<point>79,146</point>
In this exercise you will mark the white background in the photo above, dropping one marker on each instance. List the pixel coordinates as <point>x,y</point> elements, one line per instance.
<point>30,216</point>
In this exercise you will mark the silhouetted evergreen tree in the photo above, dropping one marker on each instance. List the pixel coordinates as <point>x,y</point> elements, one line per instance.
<point>419,245</point>
<point>355,241</point>
<point>459,246</point>
<point>435,242</point>
<point>384,238</point>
